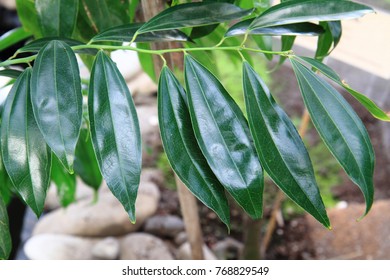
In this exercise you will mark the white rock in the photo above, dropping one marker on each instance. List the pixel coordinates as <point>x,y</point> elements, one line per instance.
<point>106,249</point>
<point>143,246</point>
<point>58,247</point>
<point>184,252</point>
<point>105,218</point>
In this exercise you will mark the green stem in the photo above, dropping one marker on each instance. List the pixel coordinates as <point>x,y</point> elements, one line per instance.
<point>155,52</point>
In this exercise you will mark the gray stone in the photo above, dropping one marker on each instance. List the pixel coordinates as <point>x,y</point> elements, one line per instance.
<point>106,249</point>
<point>348,239</point>
<point>228,249</point>
<point>143,246</point>
<point>184,252</point>
<point>180,238</point>
<point>105,218</point>
<point>164,226</point>
<point>58,247</point>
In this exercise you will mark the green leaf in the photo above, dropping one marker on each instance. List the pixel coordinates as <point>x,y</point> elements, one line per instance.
<point>37,45</point>
<point>193,14</point>
<point>264,43</point>
<point>309,10</point>
<point>57,17</point>
<point>146,61</point>
<point>202,31</point>
<point>364,100</point>
<point>287,44</point>
<point>5,236</point>
<point>5,183</point>
<point>182,149</point>
<point>25,154</point>
<point>85,164</point>
<point>133,9</point>
<point>280,148</point>
<point>331,37</point>
<point>224,138</point>
<point>12,37</point>
<point>28,16</point>
<point>125,33</point>
<point>115,131</point>
<point>65,182</point>
<point>10,73</point>
<point>305,28</point>
<point>57,100</point>
<point>340,128</point>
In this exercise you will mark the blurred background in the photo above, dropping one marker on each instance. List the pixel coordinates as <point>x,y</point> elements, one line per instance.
<point>101,230</point>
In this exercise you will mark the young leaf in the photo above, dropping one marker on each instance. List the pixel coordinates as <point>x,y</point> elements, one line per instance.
<point>115,131</point>
<point>12,37</point>
<point>65,182</point>
<point>340,128</point>
<point>224,138</point>
<point>280,148</point>
<point>25,154</point>
<point>305,28</point>
<point>10,73</point>
<point>309,10</point>
<point>364,100</point>
<point>85,164</point>
<point>182,149</point>
<point>57,100</point>
<point>57,17</point>
<point>125,33</point>
<point>37,45</point>
<point>5,236</point>
<point>193,14</point>
<point>28,16</point>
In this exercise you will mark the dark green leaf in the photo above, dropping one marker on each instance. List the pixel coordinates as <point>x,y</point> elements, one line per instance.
<point>28,16</point>
<point>25,154</point>
<point>5,236</point>
<point>182,149</point>
<point>340,128</point>
<point>65,182</point>
<point>146,61</point>
<point>57,99</point>
<point>85,164</point>
<point>224,138</point>
<point>10,73</point>
<point>287,44</point>
<point>57,17</point>
<point>5,183</point>
<point>12,37</point>
<point>133,9</point>
<point>364,100</point>
<point>264,43</point>
<point>202,31</point>
<point>304,28</point>
<point>310,10</point>
<point>324,43</point>
<point>115,131</point>
<point>193,14</point>
<point>37,45</point>
<point>336,30</point>
<point>125,33</point>
<point>280,148</point>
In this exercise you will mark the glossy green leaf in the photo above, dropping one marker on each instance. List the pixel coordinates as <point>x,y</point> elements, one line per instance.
<point>28,16</point>
<point>182,149</point>
<point>340,128</point>
<point>25,154</point>
<point>364,100</point>
<point>133,5</point>
<point>85,164</point>
<point>125,33</point>
<point>55,85</point>
<point>336,31</point>
<point>309,10</point>
<point>10,73</point>
<point>224,138</point>
<point>37,45</point>
<point>305,28</point>
<point>5,183</point>
<point>65,182</point>
<point>12,37</point>
<point>115,131</point>
<point>193,14</point>
<point>329,39</point>
<point>280,148</point>
<point>57,17</point>
<point>5,236</point>
<point>287,44</point>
